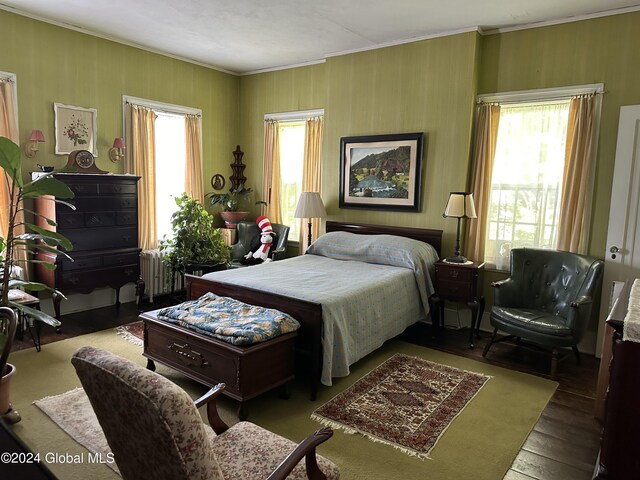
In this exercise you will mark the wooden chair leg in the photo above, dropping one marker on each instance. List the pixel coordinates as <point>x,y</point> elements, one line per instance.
<point>554,363</point>
<point>490,342</point>
<point>577,353</point>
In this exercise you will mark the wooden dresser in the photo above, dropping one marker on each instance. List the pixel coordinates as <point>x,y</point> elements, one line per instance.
<point>103,230</point>
<point>619,457</point>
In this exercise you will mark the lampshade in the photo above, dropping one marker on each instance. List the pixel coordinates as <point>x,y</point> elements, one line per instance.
<point>460,205</point>
<point>310,206</point>
<point>36,136</point>
<point>118,142</point>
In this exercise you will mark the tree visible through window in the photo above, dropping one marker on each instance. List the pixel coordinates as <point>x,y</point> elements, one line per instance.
<point>526,178</point>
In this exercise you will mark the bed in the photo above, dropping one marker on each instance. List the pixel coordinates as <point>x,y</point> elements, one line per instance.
<point>388,294</point>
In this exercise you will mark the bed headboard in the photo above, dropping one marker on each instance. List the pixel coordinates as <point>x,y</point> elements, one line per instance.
<point>431,236</point>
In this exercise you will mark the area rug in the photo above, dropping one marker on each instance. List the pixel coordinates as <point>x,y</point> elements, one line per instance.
<point>73,413</point>
<point>132,332</point>
<point>406,402</point>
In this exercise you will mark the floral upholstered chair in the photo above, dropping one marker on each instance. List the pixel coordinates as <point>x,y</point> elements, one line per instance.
<point>155,431</point>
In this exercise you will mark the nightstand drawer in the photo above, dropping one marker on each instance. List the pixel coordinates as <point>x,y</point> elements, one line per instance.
<point>456,290</point>
<point>463,275</point>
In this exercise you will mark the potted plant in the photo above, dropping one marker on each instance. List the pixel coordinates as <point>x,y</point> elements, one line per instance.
<point>195,243</point>
<point>35,238</point>
<point>230,203</point>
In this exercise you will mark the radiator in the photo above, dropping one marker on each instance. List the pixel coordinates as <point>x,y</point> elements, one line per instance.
<point>156,274</point>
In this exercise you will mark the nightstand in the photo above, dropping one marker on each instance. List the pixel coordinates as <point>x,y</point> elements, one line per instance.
<point>458,283</point>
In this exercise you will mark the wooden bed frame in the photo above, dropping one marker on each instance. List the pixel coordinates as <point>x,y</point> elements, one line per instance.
<point>309,314</point>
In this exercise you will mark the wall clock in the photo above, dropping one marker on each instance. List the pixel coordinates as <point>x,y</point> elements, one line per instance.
<point>83,161</point>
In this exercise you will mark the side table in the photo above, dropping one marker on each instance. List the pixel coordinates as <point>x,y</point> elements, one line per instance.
<point>458,282</point>
<point>24,322</point>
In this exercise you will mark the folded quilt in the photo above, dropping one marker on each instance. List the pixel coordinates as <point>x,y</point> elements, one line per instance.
<point>229,320</point>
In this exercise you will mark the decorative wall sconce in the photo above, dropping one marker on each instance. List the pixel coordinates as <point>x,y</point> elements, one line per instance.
<point>117,151</point>
<point>31,148</point>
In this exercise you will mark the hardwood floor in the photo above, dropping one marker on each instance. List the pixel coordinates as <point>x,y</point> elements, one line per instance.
<point>564,443</point>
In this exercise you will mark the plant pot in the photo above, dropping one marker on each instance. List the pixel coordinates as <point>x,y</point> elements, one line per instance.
<point>7,412</point>
<point>231,219</point>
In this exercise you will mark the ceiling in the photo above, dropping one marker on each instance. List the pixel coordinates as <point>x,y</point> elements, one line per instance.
<point>242,36</point>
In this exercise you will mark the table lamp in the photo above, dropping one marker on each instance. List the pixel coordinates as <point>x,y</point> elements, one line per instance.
<point>310,206</point>
<point>460,205</point>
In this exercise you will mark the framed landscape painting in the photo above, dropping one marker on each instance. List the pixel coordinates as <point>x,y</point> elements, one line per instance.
<point>381,172</point>
<point>76,129</point>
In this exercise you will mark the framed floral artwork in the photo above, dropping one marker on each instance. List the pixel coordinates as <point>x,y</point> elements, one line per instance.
<point>76,129</point>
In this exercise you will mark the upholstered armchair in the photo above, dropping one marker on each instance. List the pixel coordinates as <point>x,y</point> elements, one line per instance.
<point>155,431</point>
<point>547,300</point>
<point>249,239</point>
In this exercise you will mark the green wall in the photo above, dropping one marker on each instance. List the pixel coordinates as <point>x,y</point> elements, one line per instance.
<point>426,86</point>
<point>602,50</point>
<point>287,90</point>
<point>54,64</point>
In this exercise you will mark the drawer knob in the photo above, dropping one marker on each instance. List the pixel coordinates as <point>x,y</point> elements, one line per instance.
<point>454,273</point>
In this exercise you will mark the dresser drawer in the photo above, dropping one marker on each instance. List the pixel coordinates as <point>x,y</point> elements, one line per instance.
<point>118,188</point>
<point>103,238</point>
<point>121,259</point>
<point>81,189</point>
<point>85,281</point>
<point>100,219</point>
<point>81,263</point>
<point>69,220</point>
<point>101,204</point>
<point>127,217</point>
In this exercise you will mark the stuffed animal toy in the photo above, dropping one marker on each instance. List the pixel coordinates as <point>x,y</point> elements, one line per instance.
<point>261,254</point>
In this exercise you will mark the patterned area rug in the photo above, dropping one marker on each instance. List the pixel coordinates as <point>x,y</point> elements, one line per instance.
<point>406,402</point>
<point>133,332</point>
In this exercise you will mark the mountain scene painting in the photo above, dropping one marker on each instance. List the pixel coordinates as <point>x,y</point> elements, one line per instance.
<point>380,172</point>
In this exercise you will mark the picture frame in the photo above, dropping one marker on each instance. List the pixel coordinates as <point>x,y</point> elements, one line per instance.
<point>75,129</point>
<point>381,172</point>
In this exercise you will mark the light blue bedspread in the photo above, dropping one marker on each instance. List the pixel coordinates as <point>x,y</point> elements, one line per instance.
<point>363,304</point>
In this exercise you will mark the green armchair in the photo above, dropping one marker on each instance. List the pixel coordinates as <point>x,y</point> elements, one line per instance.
<point>249,239</point>
<point>547,300</point>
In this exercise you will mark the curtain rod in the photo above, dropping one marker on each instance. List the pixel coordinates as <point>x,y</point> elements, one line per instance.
<point>541,94</point>
<point>164,110</point>
<point>536,100</point>
<point>300,115</point>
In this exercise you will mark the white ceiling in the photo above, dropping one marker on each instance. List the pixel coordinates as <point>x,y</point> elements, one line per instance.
<point>243,36</point>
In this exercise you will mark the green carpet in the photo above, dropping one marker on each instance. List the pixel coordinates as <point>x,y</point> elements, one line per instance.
<point>480,444</point>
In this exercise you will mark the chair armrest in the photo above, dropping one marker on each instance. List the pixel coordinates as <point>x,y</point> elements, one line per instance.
<point>506,293</point>
<point>278,254</point>
<point>584,300</point>
<point>306,448</point>
<point>209,399</point>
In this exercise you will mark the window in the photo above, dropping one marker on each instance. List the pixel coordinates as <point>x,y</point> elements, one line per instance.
<point>538,193</point>
<point>291,165</point>
<point>170,168</point>
<point>291,136</point>
<point>175,156</point>
<point>527,177</point>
